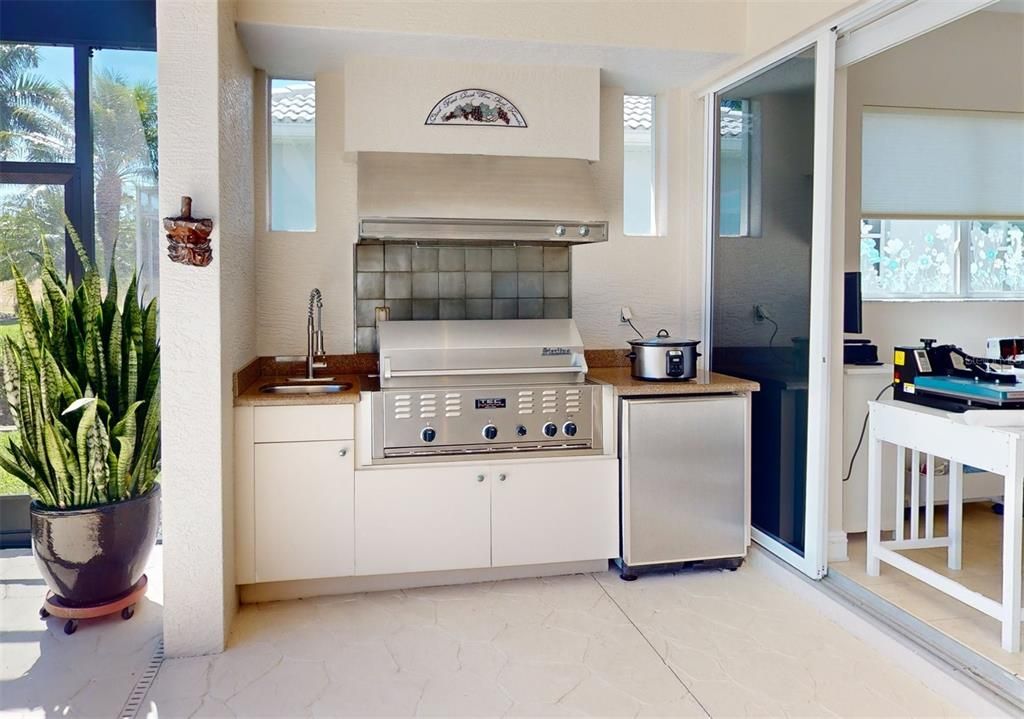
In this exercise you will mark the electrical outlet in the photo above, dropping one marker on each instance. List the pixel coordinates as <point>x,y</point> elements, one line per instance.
<point>625,314</point>
<point>761,313</point>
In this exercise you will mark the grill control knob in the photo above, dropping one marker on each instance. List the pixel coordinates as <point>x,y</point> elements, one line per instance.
<point>521,431</point>
<point>428,434</point>
<point>490,432</point>
<point>550,429</point>
<point>569,428</point>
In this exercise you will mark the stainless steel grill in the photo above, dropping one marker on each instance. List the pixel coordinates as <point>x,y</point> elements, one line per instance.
<point>489,386</point>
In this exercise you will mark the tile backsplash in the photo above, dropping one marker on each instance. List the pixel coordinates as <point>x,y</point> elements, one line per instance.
<point>458,283</point>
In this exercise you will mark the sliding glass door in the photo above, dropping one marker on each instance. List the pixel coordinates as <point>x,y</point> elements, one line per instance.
<point>770,180</point>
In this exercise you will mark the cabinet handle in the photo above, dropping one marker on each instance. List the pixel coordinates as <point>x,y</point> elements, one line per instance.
<point>479,478</point>
<point>501,477</point>
<point>342,452</point>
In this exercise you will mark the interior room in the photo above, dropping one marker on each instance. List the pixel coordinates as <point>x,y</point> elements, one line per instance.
<point>908,269</point>
<point>505,358</point>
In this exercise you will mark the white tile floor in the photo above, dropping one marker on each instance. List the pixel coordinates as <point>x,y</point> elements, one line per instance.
<point>697,644</point>
<point>750,643</point>
<point>44,672</point>
<point>982,572</point>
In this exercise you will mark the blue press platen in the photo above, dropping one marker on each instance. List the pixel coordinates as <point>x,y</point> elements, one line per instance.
<point>970,389</point>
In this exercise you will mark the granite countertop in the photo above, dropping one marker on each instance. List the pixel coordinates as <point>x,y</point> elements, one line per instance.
<point>704,383</point>
<point>252,395</point>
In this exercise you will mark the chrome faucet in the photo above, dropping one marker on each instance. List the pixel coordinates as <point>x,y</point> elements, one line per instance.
<point>316,358</point>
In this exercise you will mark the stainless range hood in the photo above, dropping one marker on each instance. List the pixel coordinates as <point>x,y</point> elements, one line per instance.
<point>466,231</point>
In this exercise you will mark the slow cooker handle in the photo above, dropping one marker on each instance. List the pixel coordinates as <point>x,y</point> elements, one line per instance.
<point>663,332</point>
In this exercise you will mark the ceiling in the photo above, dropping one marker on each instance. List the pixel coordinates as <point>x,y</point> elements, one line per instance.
<point>1009,6</point>
<point>302,52</point>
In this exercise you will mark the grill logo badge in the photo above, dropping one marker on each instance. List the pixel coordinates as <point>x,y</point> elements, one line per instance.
<point>555,351</point>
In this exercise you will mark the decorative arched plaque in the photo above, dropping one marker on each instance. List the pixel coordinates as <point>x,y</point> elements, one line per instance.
<point>474,106</point>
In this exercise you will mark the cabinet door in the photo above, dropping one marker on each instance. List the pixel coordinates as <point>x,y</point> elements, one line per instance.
<point>303,510</point>
<point>422,520</point>
<point>562,511</point>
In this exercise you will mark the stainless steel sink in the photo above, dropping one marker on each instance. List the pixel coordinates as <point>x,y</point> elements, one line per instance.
<point>324,388</point>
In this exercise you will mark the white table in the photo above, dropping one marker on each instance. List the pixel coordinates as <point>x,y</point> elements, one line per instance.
<point>935,433</point>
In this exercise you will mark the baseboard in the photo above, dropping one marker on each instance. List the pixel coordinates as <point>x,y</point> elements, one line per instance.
<point>305,588</point>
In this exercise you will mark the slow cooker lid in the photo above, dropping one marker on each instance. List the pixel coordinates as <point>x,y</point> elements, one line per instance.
<point>663,339</point>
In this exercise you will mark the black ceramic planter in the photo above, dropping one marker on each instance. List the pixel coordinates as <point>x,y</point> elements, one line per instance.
<point>92,556</point>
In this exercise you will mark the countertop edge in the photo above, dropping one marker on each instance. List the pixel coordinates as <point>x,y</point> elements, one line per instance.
<point>252,397</point>
<point>708,383</point>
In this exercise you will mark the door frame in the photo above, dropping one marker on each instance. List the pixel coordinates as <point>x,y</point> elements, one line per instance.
<point>813,561</point>
<point>855,35</point>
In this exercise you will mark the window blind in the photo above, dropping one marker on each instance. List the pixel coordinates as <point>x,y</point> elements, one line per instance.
<point>942,163</point>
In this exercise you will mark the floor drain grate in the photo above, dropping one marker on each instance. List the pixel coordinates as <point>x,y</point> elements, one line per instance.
<point>141,688</point>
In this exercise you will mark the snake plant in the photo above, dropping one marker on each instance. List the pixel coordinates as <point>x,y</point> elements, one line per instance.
<point>83,383</point>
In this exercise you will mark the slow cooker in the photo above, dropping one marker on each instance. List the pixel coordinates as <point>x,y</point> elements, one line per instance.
<point>663,358</point>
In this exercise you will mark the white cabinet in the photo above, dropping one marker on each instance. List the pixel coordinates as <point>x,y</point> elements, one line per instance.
<point>294,499</point>
<point>303,501</point>
<point>554,512</point>
<point>414,519</point>
<point>304,512</point>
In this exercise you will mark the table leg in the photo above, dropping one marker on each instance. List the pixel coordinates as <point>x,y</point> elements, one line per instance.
<point>955,517</point>
<point>874,502</point>
<point>1012,508</point>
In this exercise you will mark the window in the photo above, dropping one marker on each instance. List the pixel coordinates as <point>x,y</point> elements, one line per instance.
<point>292,156</point>
<point>739,168</point>
<point>638,165</point>
<point>961,170</point>
<point>77,138</point>
<point>125,165</point>
<point>941,163</point>
<point>37,103</point>
<point>921,259</point>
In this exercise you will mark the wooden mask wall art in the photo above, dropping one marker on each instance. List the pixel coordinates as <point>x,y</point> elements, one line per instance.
<point>188,238</point>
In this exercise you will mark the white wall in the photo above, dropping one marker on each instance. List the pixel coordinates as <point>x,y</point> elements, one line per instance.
<point>660,277</point>
<point>207,328</point>
<point>698,25</point>
<point>976,63</point>
<point>387,100</point>
<point>643,272</point>
<point>237,264</point>
<point>503,188</point>
<point>646,273</point>
<point>290,264</point>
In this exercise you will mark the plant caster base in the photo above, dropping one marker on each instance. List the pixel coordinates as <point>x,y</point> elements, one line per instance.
<point>124,605</point>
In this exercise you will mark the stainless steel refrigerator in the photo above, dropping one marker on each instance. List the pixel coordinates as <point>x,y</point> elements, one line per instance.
<point>683,480</point>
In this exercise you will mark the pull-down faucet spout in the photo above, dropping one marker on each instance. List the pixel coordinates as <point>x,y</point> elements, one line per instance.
<point>316,357</point>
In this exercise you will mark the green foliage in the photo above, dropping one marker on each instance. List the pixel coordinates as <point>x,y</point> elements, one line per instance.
<point>83,382</point>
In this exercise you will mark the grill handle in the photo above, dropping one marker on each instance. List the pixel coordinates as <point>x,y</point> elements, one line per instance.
<point>388,373</point>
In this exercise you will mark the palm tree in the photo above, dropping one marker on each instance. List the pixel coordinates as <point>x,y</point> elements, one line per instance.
<point>124,148</point>
<point>37,124</point>
<point>36,114</point>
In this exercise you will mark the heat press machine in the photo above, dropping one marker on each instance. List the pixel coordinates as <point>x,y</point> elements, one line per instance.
<point>946,377</point>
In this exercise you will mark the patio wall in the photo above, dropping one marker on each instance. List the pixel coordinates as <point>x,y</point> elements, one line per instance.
<point>207,314</point>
